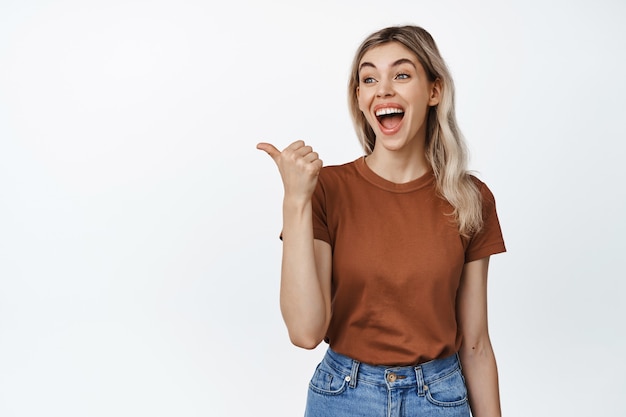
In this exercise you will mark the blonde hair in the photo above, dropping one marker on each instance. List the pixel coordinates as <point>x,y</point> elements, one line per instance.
<point>446,150</point>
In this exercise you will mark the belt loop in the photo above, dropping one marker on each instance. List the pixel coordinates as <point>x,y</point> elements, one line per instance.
<point>353,373</point>
<point>419,375</point>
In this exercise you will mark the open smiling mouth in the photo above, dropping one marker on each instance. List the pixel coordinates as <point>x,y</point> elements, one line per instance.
<point>389,117</point>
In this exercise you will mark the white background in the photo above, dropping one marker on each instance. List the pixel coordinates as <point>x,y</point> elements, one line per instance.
<point>139,250</point>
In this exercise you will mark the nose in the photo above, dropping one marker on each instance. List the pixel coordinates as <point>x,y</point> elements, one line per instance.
<point>385,89</point>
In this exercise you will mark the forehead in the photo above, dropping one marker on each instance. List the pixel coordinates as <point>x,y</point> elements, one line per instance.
<point>387,54</point>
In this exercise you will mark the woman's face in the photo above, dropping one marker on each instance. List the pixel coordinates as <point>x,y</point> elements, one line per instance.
<point>394,94</point>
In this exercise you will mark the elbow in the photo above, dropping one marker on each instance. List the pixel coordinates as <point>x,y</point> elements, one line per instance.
<point>305,344</point>
<point>306,334</point>
<point>305,341</point>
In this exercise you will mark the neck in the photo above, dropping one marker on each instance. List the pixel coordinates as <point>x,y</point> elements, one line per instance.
<point>398,167</point>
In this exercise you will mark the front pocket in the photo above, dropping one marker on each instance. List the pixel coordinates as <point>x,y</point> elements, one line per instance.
<point>327,381</point>
<point>449,391</point>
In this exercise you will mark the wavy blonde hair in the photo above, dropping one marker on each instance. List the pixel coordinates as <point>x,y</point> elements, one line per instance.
<point>446,150</point>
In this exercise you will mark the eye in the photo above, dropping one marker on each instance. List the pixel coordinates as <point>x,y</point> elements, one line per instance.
<point>403,76</point>
<point>368,80</point>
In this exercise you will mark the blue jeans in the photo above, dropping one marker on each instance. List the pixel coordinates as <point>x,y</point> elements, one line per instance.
<point>343,387</point>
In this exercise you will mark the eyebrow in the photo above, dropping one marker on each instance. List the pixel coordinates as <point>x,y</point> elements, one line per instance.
<point>395,64</point>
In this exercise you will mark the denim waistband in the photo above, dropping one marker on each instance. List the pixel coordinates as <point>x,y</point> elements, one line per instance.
<point>393,376</point>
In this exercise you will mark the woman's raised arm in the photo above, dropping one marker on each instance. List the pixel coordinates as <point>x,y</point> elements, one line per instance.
<point>306,262</point>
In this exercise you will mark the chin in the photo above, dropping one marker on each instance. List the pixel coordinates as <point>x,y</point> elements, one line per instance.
<point>391,143</point>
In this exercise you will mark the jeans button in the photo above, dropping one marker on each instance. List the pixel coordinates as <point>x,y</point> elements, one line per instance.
<point>391,377</point>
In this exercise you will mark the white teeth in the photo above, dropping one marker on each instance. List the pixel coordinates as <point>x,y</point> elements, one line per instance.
<point>388,110</point>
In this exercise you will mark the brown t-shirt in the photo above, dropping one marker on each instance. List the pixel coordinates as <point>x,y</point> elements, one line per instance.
<point>397,262</point>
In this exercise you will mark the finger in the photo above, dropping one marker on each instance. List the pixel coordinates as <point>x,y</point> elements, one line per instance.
<point>269,149</point>
<point>318,164</point>
<point>311,156</point>
<point>295,145</point>
<point>305,150</point>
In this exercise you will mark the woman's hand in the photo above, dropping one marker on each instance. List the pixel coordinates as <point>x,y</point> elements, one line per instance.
<point>299,168</point>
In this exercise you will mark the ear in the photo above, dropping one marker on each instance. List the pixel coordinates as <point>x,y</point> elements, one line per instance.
<point>435,93</point>
<point>358,97</point>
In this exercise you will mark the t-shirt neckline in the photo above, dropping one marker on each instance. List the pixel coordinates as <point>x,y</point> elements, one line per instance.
<point>366,172</point>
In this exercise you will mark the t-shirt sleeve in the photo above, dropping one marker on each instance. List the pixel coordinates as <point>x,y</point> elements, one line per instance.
<point>488,241</point>
<point>320,219</point>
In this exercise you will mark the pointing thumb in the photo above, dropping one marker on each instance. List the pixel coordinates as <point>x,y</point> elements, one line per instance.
<point>270,149</point>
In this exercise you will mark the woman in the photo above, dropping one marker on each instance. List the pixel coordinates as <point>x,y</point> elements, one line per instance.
<point>385,258</point>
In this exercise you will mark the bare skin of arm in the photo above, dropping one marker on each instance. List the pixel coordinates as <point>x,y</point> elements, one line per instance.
<point>306,262</point>
<point>476,353</point>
